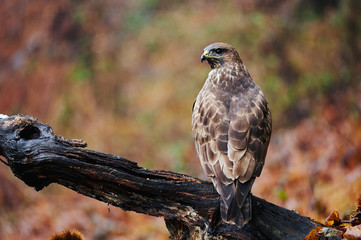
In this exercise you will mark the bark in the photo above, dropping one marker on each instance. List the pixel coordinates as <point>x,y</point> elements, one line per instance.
<point>190,206</point>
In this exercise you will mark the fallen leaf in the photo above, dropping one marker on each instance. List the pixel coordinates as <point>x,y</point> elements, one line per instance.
<point>313,234</point>
<point>333,218</point>
<point>329,232</point>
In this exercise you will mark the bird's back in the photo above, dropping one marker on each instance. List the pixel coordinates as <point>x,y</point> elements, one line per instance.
<point>231,124</point>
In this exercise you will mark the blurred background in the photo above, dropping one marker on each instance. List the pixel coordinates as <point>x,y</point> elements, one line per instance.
<point>123,75</point>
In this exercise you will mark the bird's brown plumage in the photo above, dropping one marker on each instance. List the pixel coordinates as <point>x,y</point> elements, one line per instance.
<point>231,125</point>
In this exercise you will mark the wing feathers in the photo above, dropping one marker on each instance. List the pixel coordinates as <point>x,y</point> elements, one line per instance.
<point>235,155</point>
<point>221,176</point>
<point>222,145</point>
<point>226,166</point>
<point>240,124</point>
<point>237,134</point>
<point>212,153</point>
<point>239,143</point>
<point>240,167</point>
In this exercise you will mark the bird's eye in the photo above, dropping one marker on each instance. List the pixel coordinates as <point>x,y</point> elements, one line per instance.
<point>219,50</point>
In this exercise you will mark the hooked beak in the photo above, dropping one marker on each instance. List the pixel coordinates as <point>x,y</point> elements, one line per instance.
<point>204,56</point>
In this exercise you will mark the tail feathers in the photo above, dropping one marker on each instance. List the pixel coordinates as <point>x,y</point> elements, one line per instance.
<point>236,208</point>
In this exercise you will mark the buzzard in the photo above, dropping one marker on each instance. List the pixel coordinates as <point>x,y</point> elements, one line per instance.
<point>231,125</point>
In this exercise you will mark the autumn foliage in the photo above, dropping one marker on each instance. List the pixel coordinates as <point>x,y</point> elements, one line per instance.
<point>336,228</point>
<point>123,76</point>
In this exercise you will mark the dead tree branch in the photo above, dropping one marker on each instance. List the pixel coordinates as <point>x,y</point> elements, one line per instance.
<point>189,205</point>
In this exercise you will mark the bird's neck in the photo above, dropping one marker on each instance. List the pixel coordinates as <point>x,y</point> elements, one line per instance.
<point>230,74</point>
<point>230,69</point>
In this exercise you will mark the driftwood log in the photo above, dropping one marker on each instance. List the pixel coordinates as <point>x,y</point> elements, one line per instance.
<point>189,206</point>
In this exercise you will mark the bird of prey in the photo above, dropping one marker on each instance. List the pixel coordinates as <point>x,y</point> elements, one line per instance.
<point>231,126</point>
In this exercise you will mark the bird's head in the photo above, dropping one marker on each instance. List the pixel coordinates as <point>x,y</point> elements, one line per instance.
<point>218,54</point>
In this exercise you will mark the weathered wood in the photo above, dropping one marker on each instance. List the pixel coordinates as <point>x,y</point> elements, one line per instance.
<point>189,205</point>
